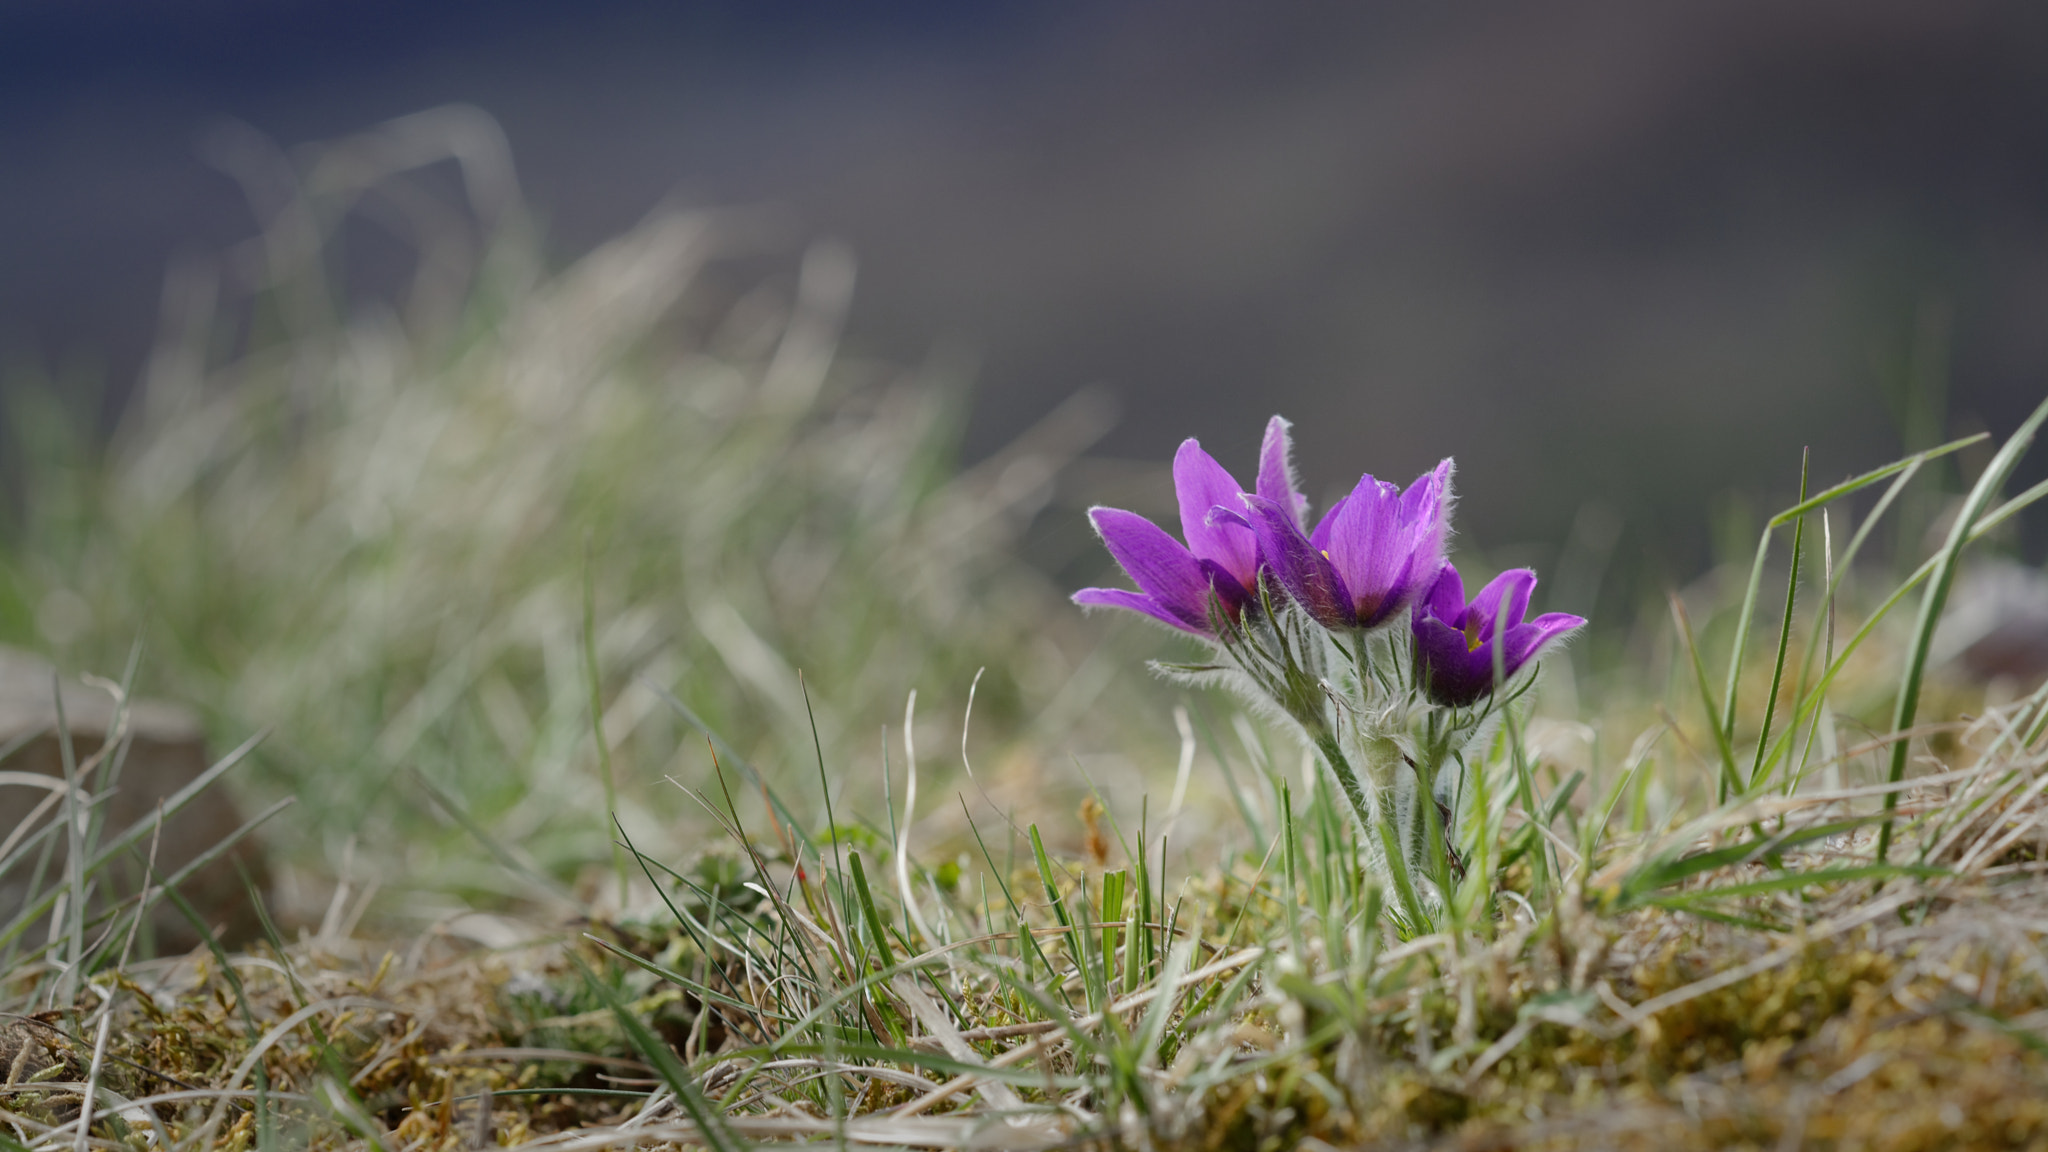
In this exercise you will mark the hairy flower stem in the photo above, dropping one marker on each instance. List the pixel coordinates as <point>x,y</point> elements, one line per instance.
<point>1390,838</point>
<point>1430,820</point>
<point>1429,830</point>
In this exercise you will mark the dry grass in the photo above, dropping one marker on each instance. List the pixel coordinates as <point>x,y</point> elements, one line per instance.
<point>1898,1016</point>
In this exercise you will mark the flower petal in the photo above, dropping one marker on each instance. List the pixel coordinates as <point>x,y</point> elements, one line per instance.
<point>1364,544</point>
<point>1426,515</point>
<point>1525,641</point>
<point>1301,569</point>
<point>1320,538</point>
<point>1276,480</point>
<point>1453,674</point>
<point>1136,602</point>
<point>1504,601</point>
<point>1233,595</point>
<point>1202,484</point>
<point>1445,599</point>
<point>1394,598</point>
<point>1164,570</point>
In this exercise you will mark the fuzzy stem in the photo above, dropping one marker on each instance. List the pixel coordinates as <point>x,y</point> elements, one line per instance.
<point>1390,840</point>
<point>1429,827</point>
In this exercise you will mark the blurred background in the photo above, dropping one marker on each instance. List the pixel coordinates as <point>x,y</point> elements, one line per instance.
<point>801,324</point>
<point>1614,256</point>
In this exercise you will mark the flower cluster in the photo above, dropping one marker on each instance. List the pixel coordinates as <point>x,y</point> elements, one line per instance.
<point>1357,629</point>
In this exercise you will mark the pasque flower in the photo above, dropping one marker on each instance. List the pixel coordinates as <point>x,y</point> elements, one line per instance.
<point>1368,559</point>
<point>1175,580</point>
<point>1376,558</point>
<point>1460,648</point>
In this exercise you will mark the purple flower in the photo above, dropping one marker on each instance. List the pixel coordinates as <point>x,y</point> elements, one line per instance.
<point>1368,559</point>
<point>1276,471</point>
<point>1454,641</point>
<point>1175,580</point>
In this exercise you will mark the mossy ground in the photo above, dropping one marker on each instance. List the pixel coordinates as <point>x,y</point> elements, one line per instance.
<point>1905,1019</point>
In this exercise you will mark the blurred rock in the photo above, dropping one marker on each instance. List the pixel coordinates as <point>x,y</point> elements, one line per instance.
<point>166,752</point>
<point>1996,627</point>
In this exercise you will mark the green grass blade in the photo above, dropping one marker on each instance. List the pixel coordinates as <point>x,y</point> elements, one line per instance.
<point>1763,739</point>
<point>1052,888</point>
<point>1290,867</point>
<point>1152,1031</point>
<point>1713,709</point>
<point>1794,881</point>
<point>1027,945</point>
<point>870,913</point>
<point>1112,912</point>
<point>831,821</point>
<point>710,1125</point>
<point>1839,568</point>
<point>728,755</point>
<point>1992,520</point>
<point>1742,619</point>
<point>1141,941</point>
<point>700,933</point>
<point>1858,483</point>
<point>1936,597</point>
<point>694,988</point>
<point>1664,871</point>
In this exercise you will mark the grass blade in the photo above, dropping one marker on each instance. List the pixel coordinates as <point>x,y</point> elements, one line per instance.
<point>1854,484</point>
<point>1742,619</point>
<point>870,913</point>
<point>710,1125</point>
<point>1936,597</point>
<point>1763,739</point>
<point>1699,674</point>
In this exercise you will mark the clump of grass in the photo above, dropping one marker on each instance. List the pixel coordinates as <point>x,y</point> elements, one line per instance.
<point>416,541</point>
<point>785,992</point>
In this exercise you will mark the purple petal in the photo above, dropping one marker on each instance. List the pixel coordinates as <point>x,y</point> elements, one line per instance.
<point>1276,469</point>
<point>1445,599</point>
<point>1453,673</point>
<point>1430,495</point>
<point>1501,604</point>
<point>1136,602</point>
<point>1364,544</point>
<point>1320,538</point>
<point>1232,592</point>
<point>1225,514</point>
<point>1455,650</point>
<point>1426,515</point>
<point>1301,569</point>
<point>1165,571</point>
<point>1526,640</point>
<point>1395,598</point>
<point>1202,484</point>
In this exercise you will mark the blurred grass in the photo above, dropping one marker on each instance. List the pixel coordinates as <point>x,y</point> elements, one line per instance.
<point>370,528</point>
